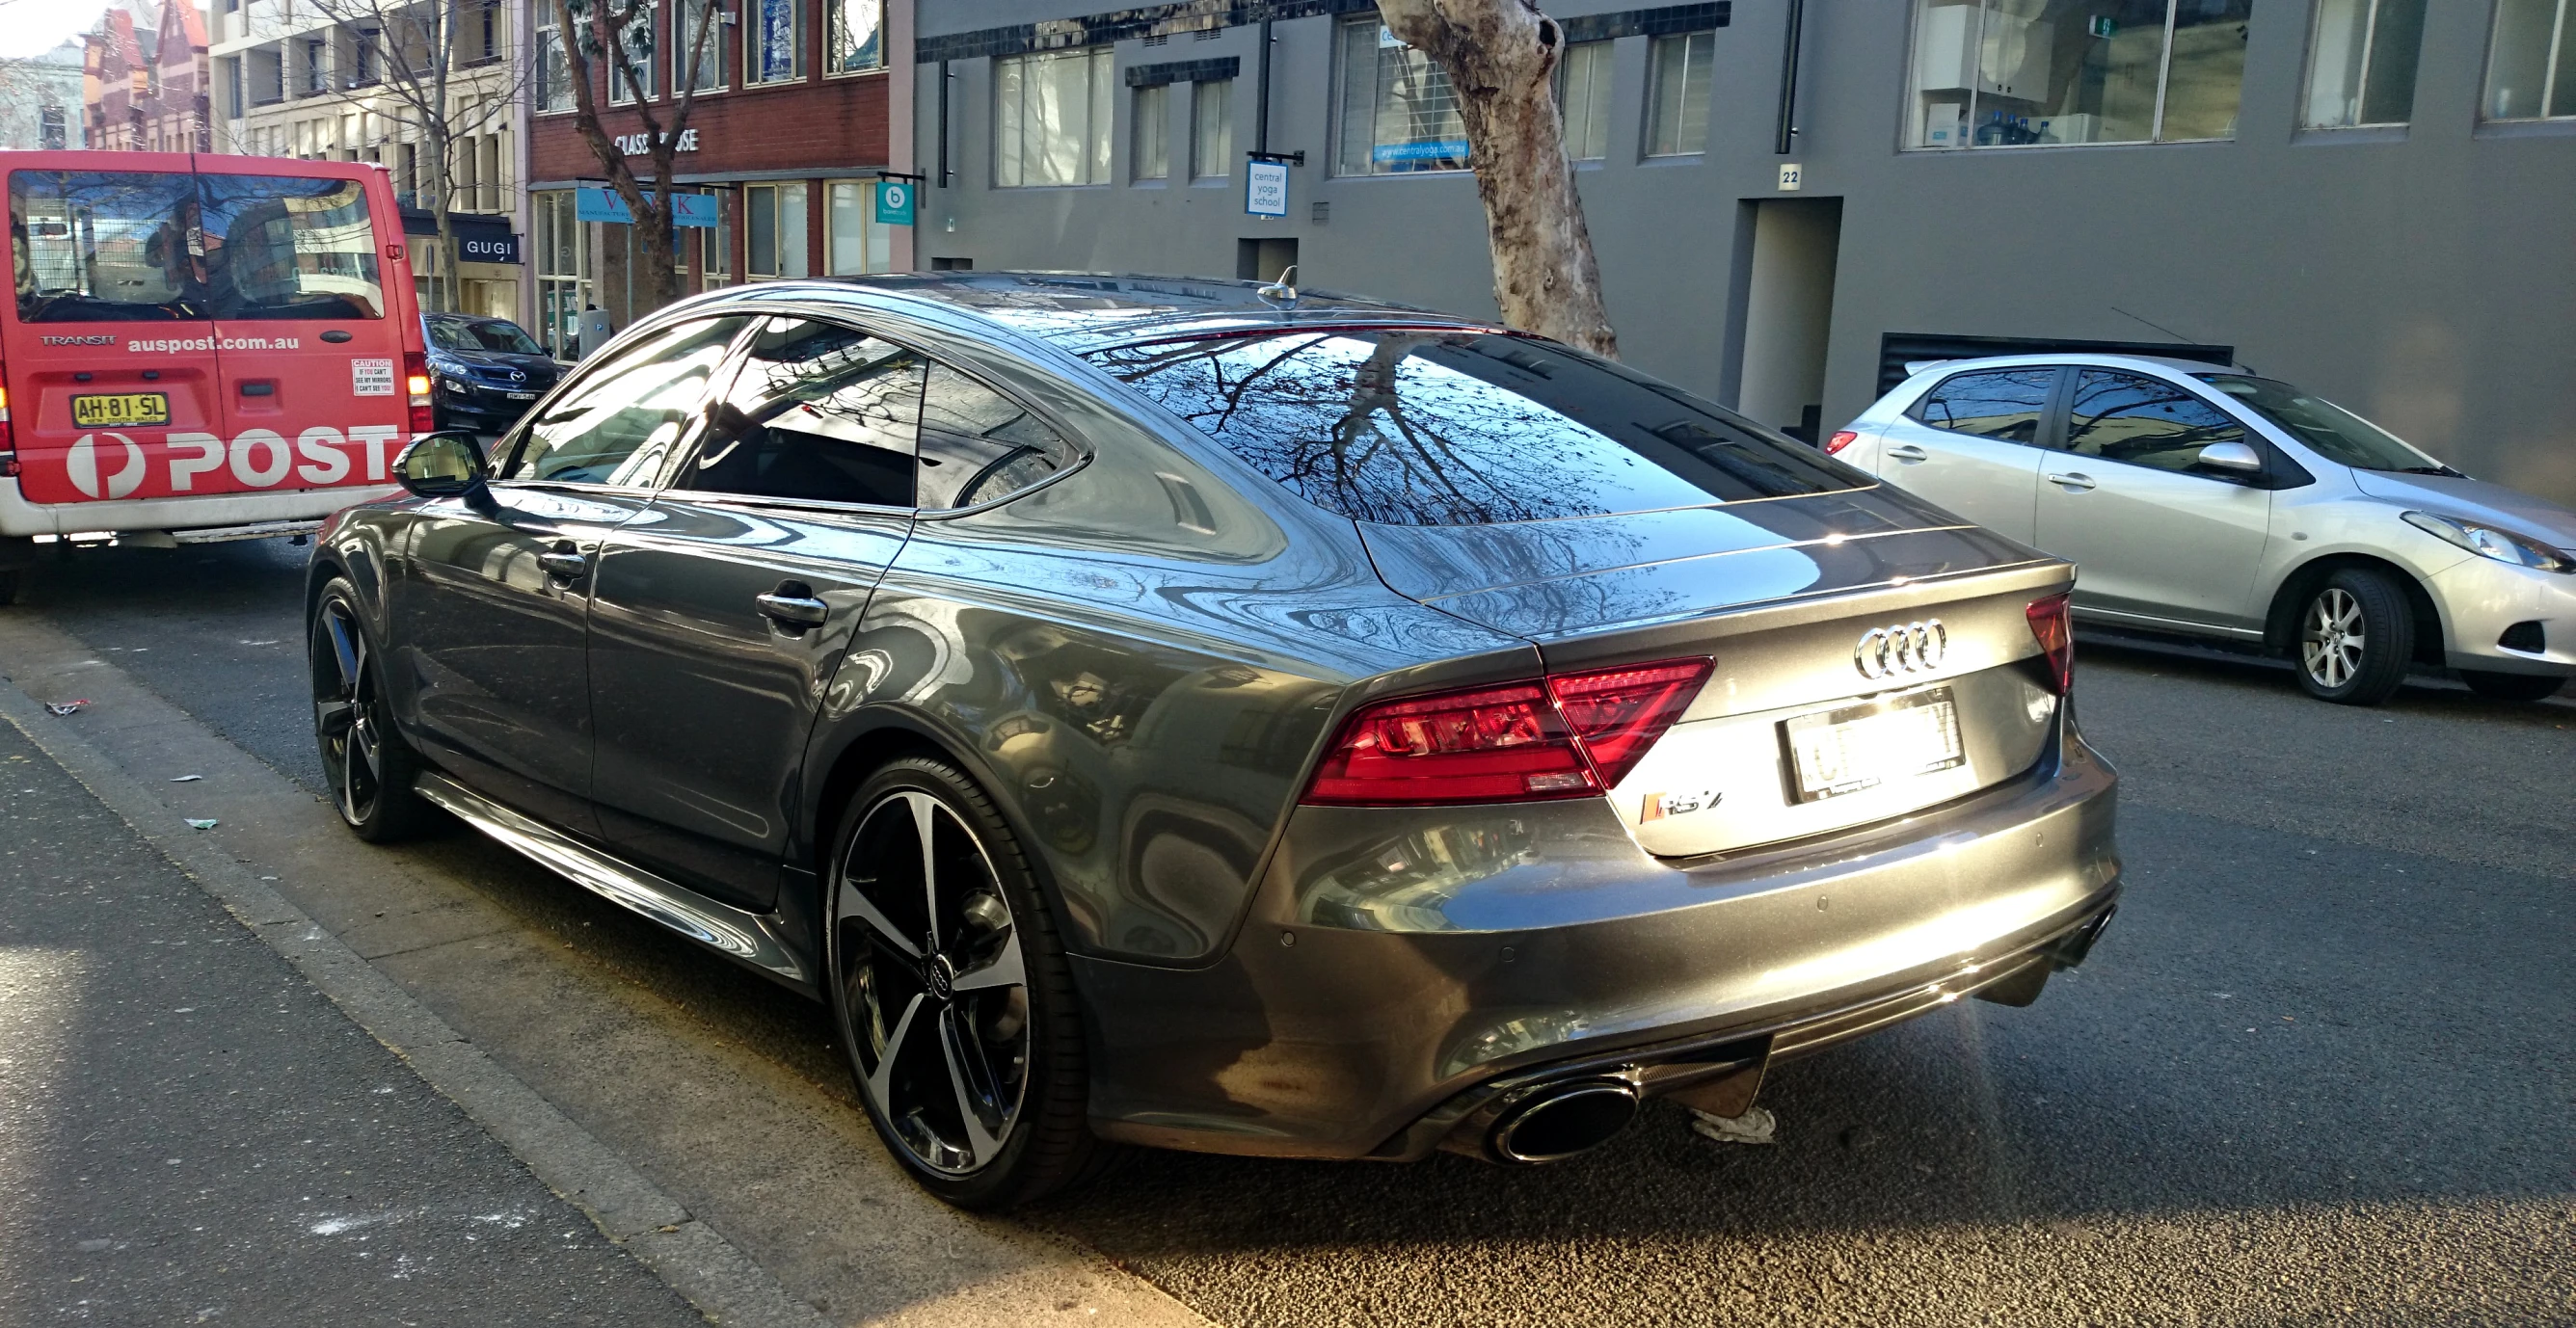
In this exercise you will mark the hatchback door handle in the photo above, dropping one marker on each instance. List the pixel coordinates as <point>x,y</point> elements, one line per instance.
<point>1908,452</point>
<point>2074,481</point>
<point>793,610</point>
<point>563,564</point>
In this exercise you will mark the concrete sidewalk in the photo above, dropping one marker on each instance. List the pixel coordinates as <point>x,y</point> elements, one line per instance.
<point>191,1132</point>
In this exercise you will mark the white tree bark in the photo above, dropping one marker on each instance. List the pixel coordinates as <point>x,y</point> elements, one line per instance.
<point>1501,56</point>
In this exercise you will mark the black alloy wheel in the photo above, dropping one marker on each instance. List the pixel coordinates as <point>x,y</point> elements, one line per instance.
<point>954,1003</point>
<point>2356,637</point>
<point>368,765</point>
<point>2512,686</point>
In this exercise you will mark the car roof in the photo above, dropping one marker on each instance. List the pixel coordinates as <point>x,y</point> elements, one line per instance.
<point>2169,364</point>
<point>1085,311</point>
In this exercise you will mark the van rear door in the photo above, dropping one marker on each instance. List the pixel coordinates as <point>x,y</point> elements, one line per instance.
<point>315,319</point>
<point>109,348</point>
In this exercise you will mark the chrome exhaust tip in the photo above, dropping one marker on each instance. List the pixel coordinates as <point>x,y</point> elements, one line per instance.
<point>1562,1120</point>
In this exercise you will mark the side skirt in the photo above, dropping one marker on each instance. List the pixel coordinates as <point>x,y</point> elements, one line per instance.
<point>750,939</point>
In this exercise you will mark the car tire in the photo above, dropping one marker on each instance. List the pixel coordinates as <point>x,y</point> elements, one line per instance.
<point>949,987</point>
<point>366,765</point>
<point>2512,686</point>
<point>2355,638</point>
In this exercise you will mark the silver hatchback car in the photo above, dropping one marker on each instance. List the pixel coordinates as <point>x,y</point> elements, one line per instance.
<point>2217,503</point>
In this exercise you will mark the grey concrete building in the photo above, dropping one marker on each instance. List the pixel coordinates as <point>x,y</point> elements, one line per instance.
<point>2373,198</point>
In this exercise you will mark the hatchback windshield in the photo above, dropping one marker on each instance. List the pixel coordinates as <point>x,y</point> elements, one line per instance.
<point>496,334</point>
<point>2337,434</point>
<point>1440,427</point>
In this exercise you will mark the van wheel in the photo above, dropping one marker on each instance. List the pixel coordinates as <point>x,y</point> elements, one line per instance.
<point>2512,686</point>
<point>369,767</point>
<point>955,1006</point>
<point>2356,636</point>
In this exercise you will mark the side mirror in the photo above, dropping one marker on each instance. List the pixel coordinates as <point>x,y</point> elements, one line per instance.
<point>447,464</point>
<point>2236,458</point>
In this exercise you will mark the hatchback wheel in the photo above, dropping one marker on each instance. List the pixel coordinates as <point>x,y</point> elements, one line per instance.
<point>2356,636</point>
<point>955,1006</point>
<point>2512,686</point>
<point>368,765</point>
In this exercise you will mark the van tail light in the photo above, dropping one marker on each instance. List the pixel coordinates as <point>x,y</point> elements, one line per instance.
<point>416,385</point>
<point>1570,735</point>
<point>2050,622</point>
<point>8,438</point>
<point>1842,438</point>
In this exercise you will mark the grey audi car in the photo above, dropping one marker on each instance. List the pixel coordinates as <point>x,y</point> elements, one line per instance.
<point>1180,713</point>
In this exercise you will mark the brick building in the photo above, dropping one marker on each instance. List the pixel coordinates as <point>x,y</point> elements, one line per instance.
<point>801,106</point>
<point>145,82</point>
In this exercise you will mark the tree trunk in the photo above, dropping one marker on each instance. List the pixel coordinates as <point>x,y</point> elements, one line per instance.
<point>443,285</point>
<point>1501,57</point>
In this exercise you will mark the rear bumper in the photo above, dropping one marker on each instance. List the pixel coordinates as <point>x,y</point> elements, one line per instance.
<point>1544,943</point>
<point>20,517</point>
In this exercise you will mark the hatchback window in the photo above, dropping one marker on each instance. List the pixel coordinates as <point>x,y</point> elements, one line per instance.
<point>2337,434</point>
<point>621,421</point>
<point>2003,404</point>
<point>105,246</point>
<point>2143,421</point>
<point>819,413</point>
<point>277,246</point>
<point>1438,428</point>
<point>978,446</point>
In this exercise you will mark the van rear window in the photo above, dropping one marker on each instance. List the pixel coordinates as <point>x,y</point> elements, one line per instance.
<point>1445,428</point>
<point>154,246</point>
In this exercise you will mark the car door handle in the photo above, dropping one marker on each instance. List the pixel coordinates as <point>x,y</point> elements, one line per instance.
<point>563,564</point>
<point>793,610</point>
<point>1908,453</point>
<point>2073,481</point>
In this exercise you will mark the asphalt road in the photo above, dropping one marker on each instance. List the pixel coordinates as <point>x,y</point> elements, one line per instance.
<point>2323,1067</point>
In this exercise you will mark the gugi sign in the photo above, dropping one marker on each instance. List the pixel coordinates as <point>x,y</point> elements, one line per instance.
<point>108,465</point>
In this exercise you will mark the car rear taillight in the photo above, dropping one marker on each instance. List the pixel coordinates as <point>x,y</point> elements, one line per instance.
<point>416,385</point>
<point>8,438</point>
<point>1842,438</point>
<point>1570,735</point>
<point>2049,621</point>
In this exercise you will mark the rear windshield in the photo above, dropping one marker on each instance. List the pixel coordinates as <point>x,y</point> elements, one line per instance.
<point>151,246</point>
<point>1445,428</point>
<point>466,334</point>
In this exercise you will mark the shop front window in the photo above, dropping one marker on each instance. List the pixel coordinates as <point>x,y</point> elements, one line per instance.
<point>774,229</point>
<point>564,274</point>
<point>1398,113</point>
<point>859,243</point>
<point>2015,73</point>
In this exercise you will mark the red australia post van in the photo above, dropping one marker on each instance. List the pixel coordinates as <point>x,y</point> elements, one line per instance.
<point>201,347</point>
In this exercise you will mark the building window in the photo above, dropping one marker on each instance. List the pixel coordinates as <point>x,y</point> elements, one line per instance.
<point>774,224</point>
<point>774,49</point>
<point>489,22</point>
<point>1211,129</point>
<point>2531,67</point>
<point>2010,73</point>
<point>1051,118</point>
<point>1583,98</point>
<point>1150,155</point>
<point>638,43</point>
<point>857,36</point>
<point>554,73</point>
<point>1678,77</point>
<point>316,66</point>
<point>717,269</point>
<point>54,128</point>
<point>362,52</point>
<point>857,242</point>
<point>1398,113</point>
<point>233,104</point>
<point>2361,63</point>
<point>697,46</point>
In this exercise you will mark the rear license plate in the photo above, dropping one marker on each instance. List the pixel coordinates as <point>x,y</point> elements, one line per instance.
<point>1861,747</point>
<point>521,396</point>
<point>121,408</point>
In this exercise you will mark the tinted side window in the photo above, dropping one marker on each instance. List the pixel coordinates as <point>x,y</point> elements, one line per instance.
<point>2143,421</point>
<point>620,422</point>
<point>101,246</point>
<point>819,412</point>
<point>2004,404</point>
<point>280,247</point>
<point>978,445</point>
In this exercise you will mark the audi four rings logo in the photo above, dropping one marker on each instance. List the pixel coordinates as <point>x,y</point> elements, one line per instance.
<point>1915,647</point>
